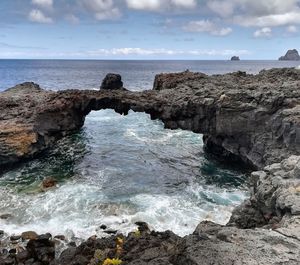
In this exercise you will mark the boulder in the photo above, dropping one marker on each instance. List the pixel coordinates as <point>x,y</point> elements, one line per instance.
<point>49,182</point>
<point>112,82</point>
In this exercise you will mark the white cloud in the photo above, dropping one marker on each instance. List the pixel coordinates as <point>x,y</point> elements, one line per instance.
<point>263,33</point>
<point>168,52</point>
<point>292,29</point>
<point>157,5</point>
<point>126,53</point>
<point>102,9</point>
<point>184,3</point>
<point>266,13</point>
<point>208,27</point>
<point>38,16</point>
<point>43,3</point>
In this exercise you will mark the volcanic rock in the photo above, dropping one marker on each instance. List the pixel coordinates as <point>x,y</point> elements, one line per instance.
<point>112,82</point>
<point>291,55</point>
<point>250,118</point>
<point>29,235</point>
<point>254,118</point>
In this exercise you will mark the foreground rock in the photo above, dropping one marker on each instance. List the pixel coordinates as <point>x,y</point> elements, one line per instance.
<point>254,118</point>
<point>291,55</point>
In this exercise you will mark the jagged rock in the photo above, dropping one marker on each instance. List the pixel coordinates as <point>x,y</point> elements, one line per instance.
<point>235,58</point>
<point>291,55</point>
<point>251,117</point>
<point>112,82</point>
<point>255,118</point>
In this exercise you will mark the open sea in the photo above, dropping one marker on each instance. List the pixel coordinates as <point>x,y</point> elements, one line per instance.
<point>119,169</point>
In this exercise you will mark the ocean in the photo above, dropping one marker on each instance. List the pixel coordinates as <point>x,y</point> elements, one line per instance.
<point>119,169</point>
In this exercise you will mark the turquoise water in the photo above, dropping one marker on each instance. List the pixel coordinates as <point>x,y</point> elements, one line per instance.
<point>117,170</point>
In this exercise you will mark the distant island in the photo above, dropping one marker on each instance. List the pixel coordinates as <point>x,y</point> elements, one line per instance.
<point>291,55</point>
<point>235,58</point>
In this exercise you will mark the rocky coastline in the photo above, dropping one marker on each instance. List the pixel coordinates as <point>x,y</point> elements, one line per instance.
<point>250,119</point>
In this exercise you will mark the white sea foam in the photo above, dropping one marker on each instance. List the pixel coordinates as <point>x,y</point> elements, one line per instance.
<point>80,209</point>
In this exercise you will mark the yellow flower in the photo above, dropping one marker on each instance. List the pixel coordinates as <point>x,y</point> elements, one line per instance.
<point>137,233</point>
<point>112,262</point>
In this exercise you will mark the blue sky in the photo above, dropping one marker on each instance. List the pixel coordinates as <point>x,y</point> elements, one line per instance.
<point>148,29</point>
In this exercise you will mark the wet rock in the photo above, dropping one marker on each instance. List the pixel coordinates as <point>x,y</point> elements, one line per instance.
<point>5,216</point>
<point>143,227</point>
<point>15,238</point>
<point>49,182</point>
<point>103,227</point>
<point>42,249</point>
<point>111,231</point>
<point>60,237</point>
<point>112,82</point>
<point>29,235</point>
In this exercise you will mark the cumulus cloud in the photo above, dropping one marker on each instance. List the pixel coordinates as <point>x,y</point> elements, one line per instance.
<point>102,9</point>
<point>157,5</point>
<point>267,13</point>
<point>38,16</point>
<point>43,3</point>
<point>208,27</point>
<point>263,33</point>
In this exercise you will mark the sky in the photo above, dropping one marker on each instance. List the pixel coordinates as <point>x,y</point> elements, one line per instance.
<point>148,29</point>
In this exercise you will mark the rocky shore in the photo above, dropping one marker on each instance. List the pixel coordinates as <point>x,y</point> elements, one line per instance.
<point>250,119</point>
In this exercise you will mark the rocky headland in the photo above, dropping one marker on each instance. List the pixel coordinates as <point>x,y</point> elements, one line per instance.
<point>249,119</point>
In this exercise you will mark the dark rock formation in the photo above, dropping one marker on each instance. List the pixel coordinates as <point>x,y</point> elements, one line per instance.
<point>112,82</point>
<point>291,55</point>
<point>252,117</point>
<point>255,118</point>
<point>235,58</point>
<point>39,250</point>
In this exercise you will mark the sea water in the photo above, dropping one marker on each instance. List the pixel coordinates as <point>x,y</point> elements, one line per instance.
<point>119,169</point>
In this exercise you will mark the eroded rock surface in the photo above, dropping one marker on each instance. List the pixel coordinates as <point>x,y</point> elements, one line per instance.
<point>253,117</point>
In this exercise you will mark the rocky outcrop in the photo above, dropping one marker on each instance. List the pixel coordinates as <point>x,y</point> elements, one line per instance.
<point>291,55</point>
<point>112,82</point>
<point>255,118</point>
<point>235,58</point>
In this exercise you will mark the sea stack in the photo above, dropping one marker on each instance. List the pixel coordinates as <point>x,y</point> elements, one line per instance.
<point>235,58</point>
<point>291,55</point>
<point>112,82</point>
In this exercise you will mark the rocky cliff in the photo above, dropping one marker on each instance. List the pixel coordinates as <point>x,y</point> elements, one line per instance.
<point>249,118</point>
